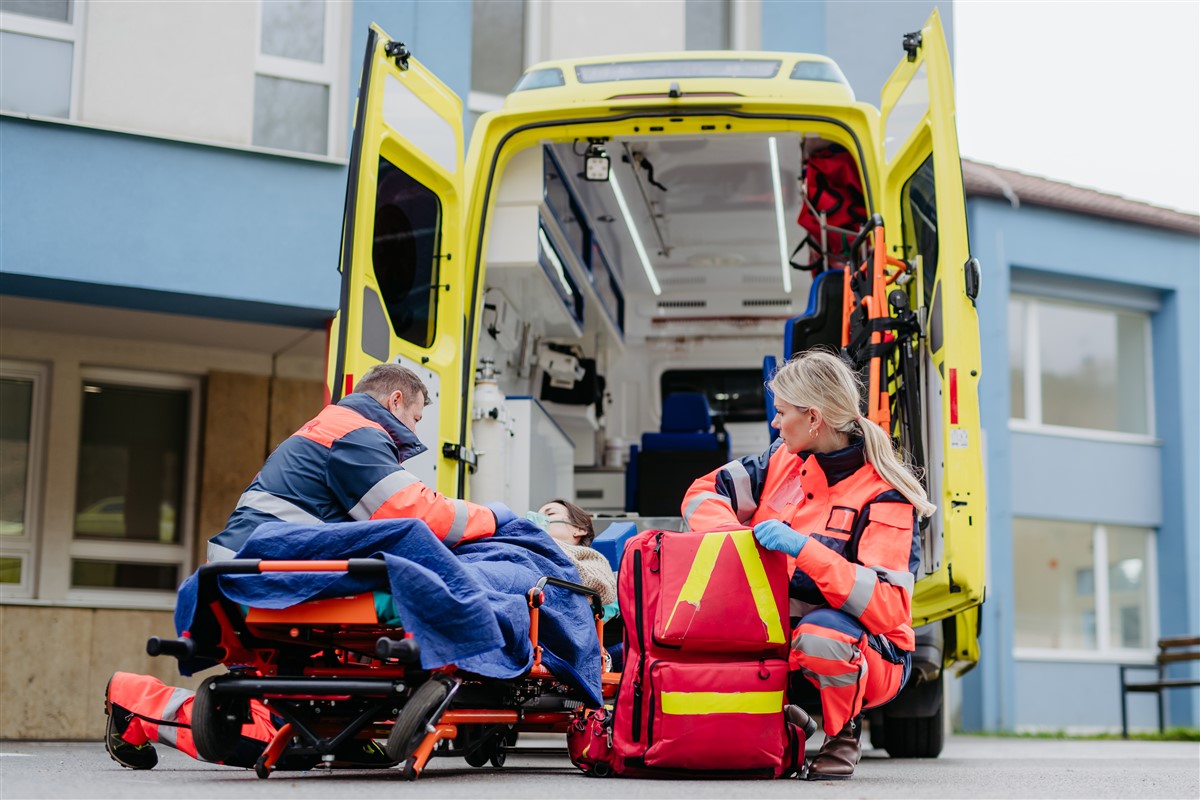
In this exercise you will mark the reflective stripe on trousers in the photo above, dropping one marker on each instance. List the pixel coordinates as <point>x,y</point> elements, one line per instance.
<point>831,649</point>
<point>163,714</point>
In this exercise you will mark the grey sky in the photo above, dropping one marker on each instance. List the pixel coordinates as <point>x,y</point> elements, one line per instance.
<point>1099,94</point>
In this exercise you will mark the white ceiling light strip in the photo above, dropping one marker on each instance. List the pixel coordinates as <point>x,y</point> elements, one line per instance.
<point>784,263</point>
<point>637,240</point>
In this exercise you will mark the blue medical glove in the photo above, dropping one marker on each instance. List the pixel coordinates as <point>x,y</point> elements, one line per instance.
<point>503,513</point>
<point>774,535</point>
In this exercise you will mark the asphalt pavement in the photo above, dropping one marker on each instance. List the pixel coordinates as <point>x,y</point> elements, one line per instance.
<point>969,767</point>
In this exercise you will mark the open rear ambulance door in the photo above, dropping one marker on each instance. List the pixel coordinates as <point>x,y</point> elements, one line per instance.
<point>926,212</point>
<point>402,238</point>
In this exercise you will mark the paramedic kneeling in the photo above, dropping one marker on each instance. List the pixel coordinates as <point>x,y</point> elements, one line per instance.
<point>343,465</point>
<point>832,493</point>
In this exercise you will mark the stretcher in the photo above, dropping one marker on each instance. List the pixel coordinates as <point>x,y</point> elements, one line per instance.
<point>341,671</point>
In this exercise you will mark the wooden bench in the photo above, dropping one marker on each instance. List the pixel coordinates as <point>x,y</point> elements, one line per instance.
<point>1171,650</point>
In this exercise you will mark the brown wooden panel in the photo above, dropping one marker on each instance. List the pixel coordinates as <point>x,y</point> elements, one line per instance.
<point>293,403</point>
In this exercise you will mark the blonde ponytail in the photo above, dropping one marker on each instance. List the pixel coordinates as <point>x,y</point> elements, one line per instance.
<point>820,379</point>
<point>882,456</point>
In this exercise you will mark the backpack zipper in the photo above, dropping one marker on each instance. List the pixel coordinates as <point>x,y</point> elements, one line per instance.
<point>636,725</point>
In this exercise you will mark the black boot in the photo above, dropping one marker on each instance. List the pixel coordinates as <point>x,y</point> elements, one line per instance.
<point>133,756</point>
<point>838,756</point>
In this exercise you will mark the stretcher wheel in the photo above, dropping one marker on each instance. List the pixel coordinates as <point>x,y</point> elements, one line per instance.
<point>498,755</point>
<point>260,767</point>
<point>479,756</point>
<point>409,729</point>
<point>217,722</point>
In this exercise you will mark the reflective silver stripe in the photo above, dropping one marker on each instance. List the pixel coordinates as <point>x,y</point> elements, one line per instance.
<point>742,491</point>
<point>462,513</point>
<point>167,733</point>
<point>218,552</point>
<point>277,507</point>
<point>864,587</point>
<point>902,578</point>
<point>700,498</point>
<point>381,492</point>
<point>817,646</point>
<point>832,681</point>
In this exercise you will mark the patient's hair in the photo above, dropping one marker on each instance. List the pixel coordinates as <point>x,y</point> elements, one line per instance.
<point>383,379</point>
<point>579,518</point>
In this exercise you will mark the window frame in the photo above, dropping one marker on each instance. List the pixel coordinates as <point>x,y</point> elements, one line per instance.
<point>1105,652</point>
<point>25,546</point>
<point>41,28</point>
<point>142,551</point>
<point>1031,354</point>
<point>327,74</point>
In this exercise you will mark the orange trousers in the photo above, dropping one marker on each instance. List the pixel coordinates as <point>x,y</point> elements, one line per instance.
<point>850,669</point>
<point>148,710</point>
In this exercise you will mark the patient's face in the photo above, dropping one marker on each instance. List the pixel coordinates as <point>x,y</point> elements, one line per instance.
<point>560,526</point>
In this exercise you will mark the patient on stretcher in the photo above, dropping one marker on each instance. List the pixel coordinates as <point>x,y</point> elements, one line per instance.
<point>571,527</point>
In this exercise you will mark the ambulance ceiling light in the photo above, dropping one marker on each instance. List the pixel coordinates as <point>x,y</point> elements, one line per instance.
<point>633,233</point>
<point>784,262</point>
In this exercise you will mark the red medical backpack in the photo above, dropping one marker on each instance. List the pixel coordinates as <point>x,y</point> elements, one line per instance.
<point>706,673</point>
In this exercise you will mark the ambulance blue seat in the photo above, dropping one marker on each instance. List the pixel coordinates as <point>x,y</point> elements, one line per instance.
<point>686,447</point>
<point>821,323</point>
<point>612,540</point>
<point>770,365</point>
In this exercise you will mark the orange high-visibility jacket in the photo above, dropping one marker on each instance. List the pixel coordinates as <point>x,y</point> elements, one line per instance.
<point>344,465</point>
<point>864,551</point>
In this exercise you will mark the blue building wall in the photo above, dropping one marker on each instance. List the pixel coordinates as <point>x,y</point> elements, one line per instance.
<point>1058,253</point>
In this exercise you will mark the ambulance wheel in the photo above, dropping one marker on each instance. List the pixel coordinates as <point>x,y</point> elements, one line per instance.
<point>914,737</point>
<point>217,722</point>
<point>409,729</point>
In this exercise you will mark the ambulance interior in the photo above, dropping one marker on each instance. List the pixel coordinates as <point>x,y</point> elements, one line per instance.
<point>616,310</point>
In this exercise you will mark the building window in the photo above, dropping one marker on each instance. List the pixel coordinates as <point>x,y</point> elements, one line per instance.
<point>133,492</point>
<point>1083,587</point>
<point>39,56</point>
<point>707,25</point>
<point>1073,365</point>
<point>296,76</point>
<point>22,409</point>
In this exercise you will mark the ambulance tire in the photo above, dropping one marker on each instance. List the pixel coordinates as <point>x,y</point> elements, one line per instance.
<point>912,737</point>
<point>409,730</point>
<point>217,722</point>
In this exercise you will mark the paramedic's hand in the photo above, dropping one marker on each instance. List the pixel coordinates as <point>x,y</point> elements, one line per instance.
<point>774,535</point>
<point>503,514</point>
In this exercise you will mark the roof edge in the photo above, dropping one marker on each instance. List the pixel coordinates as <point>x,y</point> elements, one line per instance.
<point>989,180</point>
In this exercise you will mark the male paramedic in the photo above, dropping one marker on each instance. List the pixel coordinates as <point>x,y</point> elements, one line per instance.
<point>343,465</point>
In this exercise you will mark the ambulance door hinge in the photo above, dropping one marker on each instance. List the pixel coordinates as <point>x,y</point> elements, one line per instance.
<point>457,452</point>
<point>400,52</point>
<point>912,43</point>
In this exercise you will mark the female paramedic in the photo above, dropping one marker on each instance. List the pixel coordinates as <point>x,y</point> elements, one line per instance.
<point>832,493</point>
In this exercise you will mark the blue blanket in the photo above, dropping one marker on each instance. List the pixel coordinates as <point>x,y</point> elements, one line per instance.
<point>465,606</point>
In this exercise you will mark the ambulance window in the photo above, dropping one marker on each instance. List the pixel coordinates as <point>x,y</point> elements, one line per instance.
<point>540,79</point>
<point>405,253</point>
<point>919,208</point>
<point>734,394</point>
<point>677,68</point>
<point>818,71</point>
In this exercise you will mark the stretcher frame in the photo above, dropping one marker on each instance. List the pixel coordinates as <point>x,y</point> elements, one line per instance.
<point>333,673</point>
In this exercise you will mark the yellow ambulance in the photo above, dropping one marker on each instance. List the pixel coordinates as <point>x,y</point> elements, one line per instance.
<point>625,230</point>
